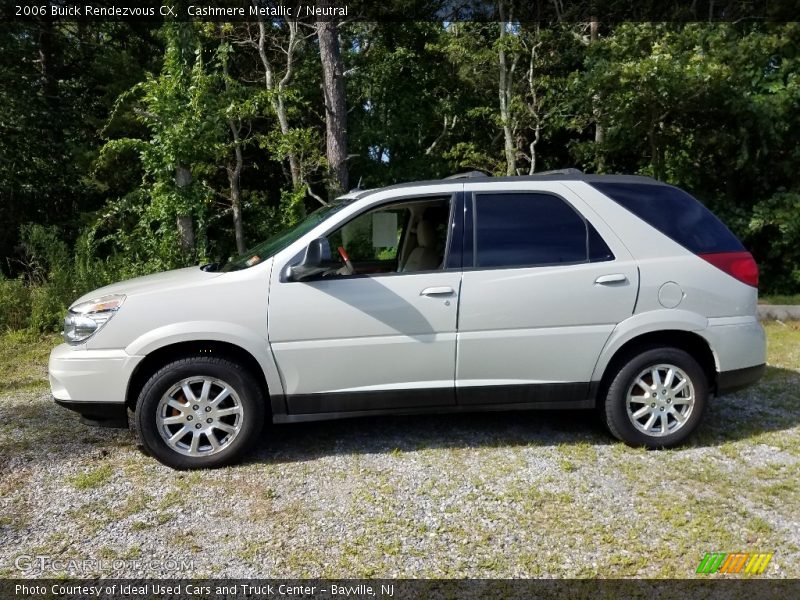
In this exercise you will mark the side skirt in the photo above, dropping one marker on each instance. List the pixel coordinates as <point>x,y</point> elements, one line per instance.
<point>475,408</point>
<point>323,407</point>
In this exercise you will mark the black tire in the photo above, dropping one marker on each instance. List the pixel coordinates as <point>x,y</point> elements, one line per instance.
<point>621,425</point>
<point>234,376</point>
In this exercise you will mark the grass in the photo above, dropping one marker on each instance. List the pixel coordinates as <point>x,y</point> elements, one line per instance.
<point>23,359</point>
<point>93,478</point>
<point>783,344</point>
<point>779,299</point>
<point>494,495</point>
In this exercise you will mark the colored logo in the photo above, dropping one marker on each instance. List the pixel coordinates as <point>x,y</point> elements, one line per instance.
<point>739,562</point>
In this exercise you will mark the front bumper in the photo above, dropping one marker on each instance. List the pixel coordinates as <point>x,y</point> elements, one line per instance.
<point>92,382</point>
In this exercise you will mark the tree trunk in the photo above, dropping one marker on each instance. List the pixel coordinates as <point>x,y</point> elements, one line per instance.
<point>505,98</point>
<point>235,169</point>
<point>283,121</point>
<point>183,178</point>
<point>234,178</point>
<point>599,130</point>
<point>335,101</point>
<point>655,151</point>
<point>534,107</point>
<point>50,87</point>
<point>276,98</point>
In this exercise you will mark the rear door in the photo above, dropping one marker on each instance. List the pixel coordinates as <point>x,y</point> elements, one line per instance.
<point>545,282</point>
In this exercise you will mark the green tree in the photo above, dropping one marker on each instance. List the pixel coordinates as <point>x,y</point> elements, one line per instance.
<point>187,132</point>
<point>58,83</point>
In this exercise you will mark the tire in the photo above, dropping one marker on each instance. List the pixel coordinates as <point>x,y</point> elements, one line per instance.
<point>676,412</point>
<point>222,420</point>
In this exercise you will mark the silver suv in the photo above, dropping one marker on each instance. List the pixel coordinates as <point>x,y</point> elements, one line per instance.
<point>559,290</point>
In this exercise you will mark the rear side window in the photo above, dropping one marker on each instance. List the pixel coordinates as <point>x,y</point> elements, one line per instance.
<point>529,229</point>
<point>674,213</point>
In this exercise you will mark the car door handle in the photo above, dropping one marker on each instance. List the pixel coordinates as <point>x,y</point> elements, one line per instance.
<point>614,278</point>
<point>437,291</point>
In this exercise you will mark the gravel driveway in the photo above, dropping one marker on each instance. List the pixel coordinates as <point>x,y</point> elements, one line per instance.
<point>531,494</point>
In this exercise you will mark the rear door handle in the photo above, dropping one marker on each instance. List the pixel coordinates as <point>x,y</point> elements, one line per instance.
<point>437,291</point>
<point>615,278</point>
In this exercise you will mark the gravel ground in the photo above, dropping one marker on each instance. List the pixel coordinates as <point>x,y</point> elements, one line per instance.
<point>533,494</point>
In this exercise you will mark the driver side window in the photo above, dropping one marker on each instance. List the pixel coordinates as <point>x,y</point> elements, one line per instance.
<point>397,238</point>
<point>371,237</point>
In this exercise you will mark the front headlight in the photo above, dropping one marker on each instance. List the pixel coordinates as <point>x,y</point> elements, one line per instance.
<point>87,318</point>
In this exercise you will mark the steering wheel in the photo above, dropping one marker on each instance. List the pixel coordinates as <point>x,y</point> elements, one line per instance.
<point>348,266</point>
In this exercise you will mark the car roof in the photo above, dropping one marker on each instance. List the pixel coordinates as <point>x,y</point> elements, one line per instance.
<point>477,176</point>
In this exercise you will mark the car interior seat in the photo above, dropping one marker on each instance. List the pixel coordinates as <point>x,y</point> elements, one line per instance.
<point>424,257</point>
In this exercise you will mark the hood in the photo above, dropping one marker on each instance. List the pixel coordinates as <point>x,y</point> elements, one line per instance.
<point>151,283</point>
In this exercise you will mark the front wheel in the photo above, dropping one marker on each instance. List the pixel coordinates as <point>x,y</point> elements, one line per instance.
<point>199,412</point>
<point>657,398</point>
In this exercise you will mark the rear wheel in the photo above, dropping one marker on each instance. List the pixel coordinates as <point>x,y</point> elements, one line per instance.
<point>199,412</point>
<point>657,398</point>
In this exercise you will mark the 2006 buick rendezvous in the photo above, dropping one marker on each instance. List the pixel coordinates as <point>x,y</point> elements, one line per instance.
<point>560,290</point>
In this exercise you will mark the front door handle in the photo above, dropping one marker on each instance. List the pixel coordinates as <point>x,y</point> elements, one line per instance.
<point>615,278</point>
<point>437,291</point>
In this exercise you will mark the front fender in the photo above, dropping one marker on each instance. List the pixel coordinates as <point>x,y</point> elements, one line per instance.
<point>217,331</point>
<point>642,323</point>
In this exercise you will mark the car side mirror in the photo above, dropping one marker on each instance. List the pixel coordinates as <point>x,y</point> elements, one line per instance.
<point>316,260</point>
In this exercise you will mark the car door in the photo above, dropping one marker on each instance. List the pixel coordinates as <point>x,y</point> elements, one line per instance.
<point>370,341</point>
<point>546,284</point>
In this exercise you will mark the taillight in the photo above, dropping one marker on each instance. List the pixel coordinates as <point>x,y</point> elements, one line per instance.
<point>740,265</point>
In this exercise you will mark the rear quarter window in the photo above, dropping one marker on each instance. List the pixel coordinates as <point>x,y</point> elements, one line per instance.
<point>674,213</point>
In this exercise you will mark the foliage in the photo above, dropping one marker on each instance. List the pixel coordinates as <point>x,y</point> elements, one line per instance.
<point>55,275</point>
<point>97,120</point>
<point>58,82</point>
<point>15,301</point>
<point>180,109</point>
<point>776,225</point>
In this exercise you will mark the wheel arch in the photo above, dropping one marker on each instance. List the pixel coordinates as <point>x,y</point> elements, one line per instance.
<point>160,356</point>
<point>689,341</point>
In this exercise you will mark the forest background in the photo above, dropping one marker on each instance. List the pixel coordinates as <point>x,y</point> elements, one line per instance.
<point>128,148</point>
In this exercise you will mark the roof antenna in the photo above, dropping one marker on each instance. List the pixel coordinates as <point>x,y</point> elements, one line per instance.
<point>358,187</point>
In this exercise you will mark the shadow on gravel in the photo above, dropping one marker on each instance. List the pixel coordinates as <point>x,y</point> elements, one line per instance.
<point>375,435</point>
<point>772,405</point>
<point>42,431</point>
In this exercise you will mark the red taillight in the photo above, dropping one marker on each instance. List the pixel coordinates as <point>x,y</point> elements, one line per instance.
<point>740,265</point>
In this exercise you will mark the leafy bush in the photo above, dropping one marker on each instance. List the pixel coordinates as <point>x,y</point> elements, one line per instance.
<point>47,308</point>
<point>14,304</point>
<point>47,260</point>
<point>56,275</point>
<point>774,232</point>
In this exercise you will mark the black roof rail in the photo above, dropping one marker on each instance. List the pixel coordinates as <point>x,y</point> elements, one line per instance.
<point>569,171</point>
<point>468,175</point>
<point>557,175</point>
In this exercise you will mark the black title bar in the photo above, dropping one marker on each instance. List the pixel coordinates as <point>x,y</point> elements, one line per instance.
<point>607,11</point>
<point>401,589</point>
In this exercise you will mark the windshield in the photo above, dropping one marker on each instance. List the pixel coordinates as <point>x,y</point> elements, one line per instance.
<point>281,240</point>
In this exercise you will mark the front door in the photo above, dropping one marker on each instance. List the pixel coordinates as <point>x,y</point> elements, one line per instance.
<point>383,336</point>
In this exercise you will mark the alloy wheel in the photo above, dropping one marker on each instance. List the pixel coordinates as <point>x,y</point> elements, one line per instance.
<point>199,416</point>
<point>660,400</point>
